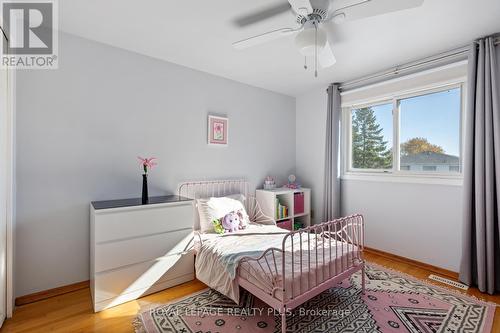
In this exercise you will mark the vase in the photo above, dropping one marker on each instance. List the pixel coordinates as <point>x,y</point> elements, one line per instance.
<point>145,196</point>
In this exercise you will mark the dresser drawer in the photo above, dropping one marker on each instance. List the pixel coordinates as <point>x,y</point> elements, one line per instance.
<point>119,282</point>
<point>123,223</point>
<point>129,296</point>
<point>112,255</point>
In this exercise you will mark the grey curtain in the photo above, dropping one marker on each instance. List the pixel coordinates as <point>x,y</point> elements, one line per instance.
<point>480,264</point>
<point>331,203</point>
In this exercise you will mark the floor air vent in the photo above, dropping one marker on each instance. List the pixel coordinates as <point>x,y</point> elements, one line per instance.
<point>448,282</point>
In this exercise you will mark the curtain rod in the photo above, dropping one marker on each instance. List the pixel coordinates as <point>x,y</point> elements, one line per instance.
<point>449,56</point>
<point>456,54</point>
<point>496,39</point>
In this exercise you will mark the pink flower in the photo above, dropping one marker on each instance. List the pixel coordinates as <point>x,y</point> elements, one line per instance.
<point>147,163</point>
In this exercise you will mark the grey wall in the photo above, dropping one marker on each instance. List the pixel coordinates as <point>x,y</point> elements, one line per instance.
<point>417,221</point>
<point>310,146</point>
<point>80,128</point>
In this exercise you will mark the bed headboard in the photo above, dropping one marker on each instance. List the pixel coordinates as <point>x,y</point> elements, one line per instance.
<point>212,188</point>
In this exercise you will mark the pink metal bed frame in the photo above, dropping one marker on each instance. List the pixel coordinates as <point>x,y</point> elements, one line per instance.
<point>335,265</point>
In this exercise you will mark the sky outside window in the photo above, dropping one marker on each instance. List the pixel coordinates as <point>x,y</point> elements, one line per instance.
<point>435,117</point>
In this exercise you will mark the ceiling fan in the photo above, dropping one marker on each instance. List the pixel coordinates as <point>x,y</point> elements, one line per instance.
<point>311,38</point>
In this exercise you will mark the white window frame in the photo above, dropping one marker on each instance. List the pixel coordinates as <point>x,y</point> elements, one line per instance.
<point>348,131</point>
<point>395,174</point>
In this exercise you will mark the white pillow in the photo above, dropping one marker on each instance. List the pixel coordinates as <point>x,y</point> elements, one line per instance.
<point>204,215</point>
<point>216,208</point>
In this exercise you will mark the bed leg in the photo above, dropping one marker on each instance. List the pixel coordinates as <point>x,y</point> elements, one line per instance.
<point>283,322</point>
<point>363,279</point>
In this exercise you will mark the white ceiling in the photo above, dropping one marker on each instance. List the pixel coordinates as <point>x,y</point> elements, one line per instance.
<point>199,33</point>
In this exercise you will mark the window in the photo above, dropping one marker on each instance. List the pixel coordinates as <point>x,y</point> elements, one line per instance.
<point>371,137</point>
<point>430,131</point>
<point>411,134</point>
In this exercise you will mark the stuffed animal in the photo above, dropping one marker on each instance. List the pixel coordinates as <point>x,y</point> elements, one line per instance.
<point>231,222</point>
<point>243,225</point>
<point>218,226</point>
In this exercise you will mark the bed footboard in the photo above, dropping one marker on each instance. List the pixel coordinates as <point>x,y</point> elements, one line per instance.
<point>310,261</point>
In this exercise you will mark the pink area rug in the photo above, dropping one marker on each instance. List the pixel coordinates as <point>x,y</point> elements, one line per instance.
<point>394,302</point>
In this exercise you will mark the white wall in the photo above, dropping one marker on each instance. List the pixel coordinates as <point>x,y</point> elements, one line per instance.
<point>417,221</point>
<point>81,127</point>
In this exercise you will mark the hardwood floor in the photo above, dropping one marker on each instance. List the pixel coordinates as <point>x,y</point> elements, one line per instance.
<point>72,312</point>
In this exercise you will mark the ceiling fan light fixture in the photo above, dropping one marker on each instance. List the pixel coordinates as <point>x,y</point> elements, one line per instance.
<point>339,18</point>
<point>306,41</point>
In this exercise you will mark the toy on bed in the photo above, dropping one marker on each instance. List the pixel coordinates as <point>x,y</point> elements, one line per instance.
<point>231,222</point>
<point>218,228</point>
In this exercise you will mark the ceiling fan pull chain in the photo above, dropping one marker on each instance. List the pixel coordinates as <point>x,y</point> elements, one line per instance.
<point>305,62</point>
<point>315,49</point>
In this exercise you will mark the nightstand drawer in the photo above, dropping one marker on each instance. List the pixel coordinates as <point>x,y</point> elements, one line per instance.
<point>112,255</point>
<point>123,223</point>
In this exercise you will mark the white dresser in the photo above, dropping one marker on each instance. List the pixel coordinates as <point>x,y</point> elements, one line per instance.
<point>138,249</point>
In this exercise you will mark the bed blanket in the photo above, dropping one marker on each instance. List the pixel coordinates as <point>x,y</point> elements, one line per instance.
<point>218,256</point>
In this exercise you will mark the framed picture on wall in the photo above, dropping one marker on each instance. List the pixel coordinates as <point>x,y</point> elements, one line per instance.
<point>218,130</point>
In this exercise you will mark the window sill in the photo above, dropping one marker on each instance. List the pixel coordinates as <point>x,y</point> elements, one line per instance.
<point>440,179</point>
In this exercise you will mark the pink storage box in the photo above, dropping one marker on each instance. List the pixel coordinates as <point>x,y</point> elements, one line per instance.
<point>298,203</point>
<point>287,224</point>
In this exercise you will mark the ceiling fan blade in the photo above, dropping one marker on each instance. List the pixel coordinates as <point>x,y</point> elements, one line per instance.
<point>302,7</point>
<point>349,10</point>
<point>264,38</point>
<point>326,57</point>
<point>262,15</point>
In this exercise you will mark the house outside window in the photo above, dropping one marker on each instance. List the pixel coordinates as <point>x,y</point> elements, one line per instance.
<point>429,168</point>
<point>430,161</point>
